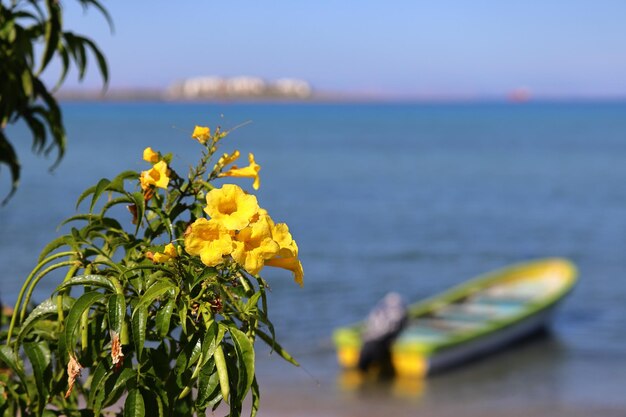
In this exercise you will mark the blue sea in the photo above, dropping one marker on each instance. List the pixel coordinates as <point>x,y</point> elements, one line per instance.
<point>413,198</point>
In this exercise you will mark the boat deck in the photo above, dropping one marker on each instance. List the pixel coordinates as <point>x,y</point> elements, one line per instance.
<point>481,309</point>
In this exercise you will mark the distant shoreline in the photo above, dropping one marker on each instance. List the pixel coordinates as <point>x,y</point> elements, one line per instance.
<point>153,95</point>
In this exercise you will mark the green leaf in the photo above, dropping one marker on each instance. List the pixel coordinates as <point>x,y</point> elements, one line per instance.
<point>53,33</point>
<point>222,372</point>
<point>113,388</point>
<point>10,359</point>
<point>65,65</point>
<point>208,386</point>
<point>38,354</point>
<point>117,184</point>
<point>44,310</point>
<point>164,317</point>
<point>155,291</point>
<point>187,357</point>
<point>275,346</point>
<point>55,244</point>
<point>73,317</point>
<point>182,314</point>
<point>9,157</point>
<point>140,203</point>
<point>134,405</point>
<point>84,195</point>
<point>117,312</point>
<point>212,339</point>
<point>139,319</point>
<point>100,281</point>
<point>102,63</point>
<point>97,382</point>
<point>100,187</point>
<point>252,302</point>
<point>102,10</point>
<point>207,273</point>
<point>119,200</point>
<point>27,82</point>
<point>245,357</point>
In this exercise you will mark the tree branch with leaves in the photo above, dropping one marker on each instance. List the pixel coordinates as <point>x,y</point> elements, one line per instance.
<point>23,94</point>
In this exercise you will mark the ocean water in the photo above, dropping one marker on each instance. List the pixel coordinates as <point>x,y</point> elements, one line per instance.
<point>412,198</point>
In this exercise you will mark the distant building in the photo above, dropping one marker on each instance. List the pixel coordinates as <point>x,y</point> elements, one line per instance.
<point>238,87</point>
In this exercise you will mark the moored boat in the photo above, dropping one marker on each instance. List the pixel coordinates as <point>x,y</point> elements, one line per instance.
<point>474,318</point>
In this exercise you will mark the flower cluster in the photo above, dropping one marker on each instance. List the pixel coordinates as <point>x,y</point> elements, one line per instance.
<point>239,229</point>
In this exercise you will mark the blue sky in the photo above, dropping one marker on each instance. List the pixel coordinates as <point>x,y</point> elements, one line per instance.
<point>394,48</point>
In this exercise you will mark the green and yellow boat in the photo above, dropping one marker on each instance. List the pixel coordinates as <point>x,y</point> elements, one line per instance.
<point>470,320</point>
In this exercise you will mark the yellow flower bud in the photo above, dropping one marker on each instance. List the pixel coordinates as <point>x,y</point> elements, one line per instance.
<point>201,133</point>
<point>150,156</point>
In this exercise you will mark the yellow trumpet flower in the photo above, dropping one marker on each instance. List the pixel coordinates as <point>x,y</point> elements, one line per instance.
<point>251,171</point>
<point>158,176</point>
<point>231,206</point>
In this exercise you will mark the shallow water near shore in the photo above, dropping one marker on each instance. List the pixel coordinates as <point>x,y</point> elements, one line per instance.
<point>391,197</point>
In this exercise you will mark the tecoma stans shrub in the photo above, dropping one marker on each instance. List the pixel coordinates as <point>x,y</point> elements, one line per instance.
<point>162,300</point>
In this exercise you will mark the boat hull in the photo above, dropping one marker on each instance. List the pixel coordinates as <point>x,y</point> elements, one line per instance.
<point>476,318</point>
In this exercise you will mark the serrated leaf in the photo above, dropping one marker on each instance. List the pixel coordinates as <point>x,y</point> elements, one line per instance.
<point>187,357</point>
<point>43,311</point>
<point>52,34</point>
<point>164,317</point>
<point>155,291</point>
<point>115,201</point>
<point>139,319</point>
<point>85,194</point>
<point>245,358</point>
<point>206,274</point>
<point>116,312</point>
<point>72,321</point>
<point>140,203</point>
<point>85,217</point>
<point>65,65</point>
<point>100,281</point>
<point>39,356</point>
<point>117,183</point>
<point>100,188</point>
<point>112,389</point>
<point>101,60</point>
<point>252,302</point>
<point>97,382</point>
<point>276,347</point>
<point>134,405</point>
<point>208,386</point>
<point>212,339</point>
<point>10,359</point>
<point>9,158</point>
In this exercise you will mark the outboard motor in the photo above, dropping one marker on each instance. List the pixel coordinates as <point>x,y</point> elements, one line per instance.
<point>382,326</point>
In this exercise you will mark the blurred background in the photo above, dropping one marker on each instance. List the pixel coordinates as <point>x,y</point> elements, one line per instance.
<point>435,142</point>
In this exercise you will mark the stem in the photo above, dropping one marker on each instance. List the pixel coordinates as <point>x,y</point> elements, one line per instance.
<point>25,286</point>
<point>36,280</point>
<point>68,276</point>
